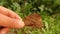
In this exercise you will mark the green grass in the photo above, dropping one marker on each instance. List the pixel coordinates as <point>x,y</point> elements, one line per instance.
<point>46,7</point>
<point>52,26</point>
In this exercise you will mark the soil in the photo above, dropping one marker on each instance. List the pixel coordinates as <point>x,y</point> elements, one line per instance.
<point>33,20</point>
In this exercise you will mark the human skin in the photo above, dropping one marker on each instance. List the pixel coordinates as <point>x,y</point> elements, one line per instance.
<point>9,19</point>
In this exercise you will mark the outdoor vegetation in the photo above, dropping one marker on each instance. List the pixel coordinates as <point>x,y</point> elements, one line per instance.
<point>48,9</point>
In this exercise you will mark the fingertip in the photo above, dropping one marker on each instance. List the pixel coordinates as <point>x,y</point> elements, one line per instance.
<point>17,24</point>
<point>21,24</point>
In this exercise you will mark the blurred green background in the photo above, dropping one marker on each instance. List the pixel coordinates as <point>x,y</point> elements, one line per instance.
<point>48,9</point>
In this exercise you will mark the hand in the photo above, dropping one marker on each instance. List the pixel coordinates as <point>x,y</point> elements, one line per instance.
<point>9,19</point>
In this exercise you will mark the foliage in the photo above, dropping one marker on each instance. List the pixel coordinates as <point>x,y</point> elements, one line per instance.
<point>48,9</point>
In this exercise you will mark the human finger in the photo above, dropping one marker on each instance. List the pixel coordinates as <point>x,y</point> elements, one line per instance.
<point>6,21</point>
<point>4,31</point>
<point>9,13</point>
